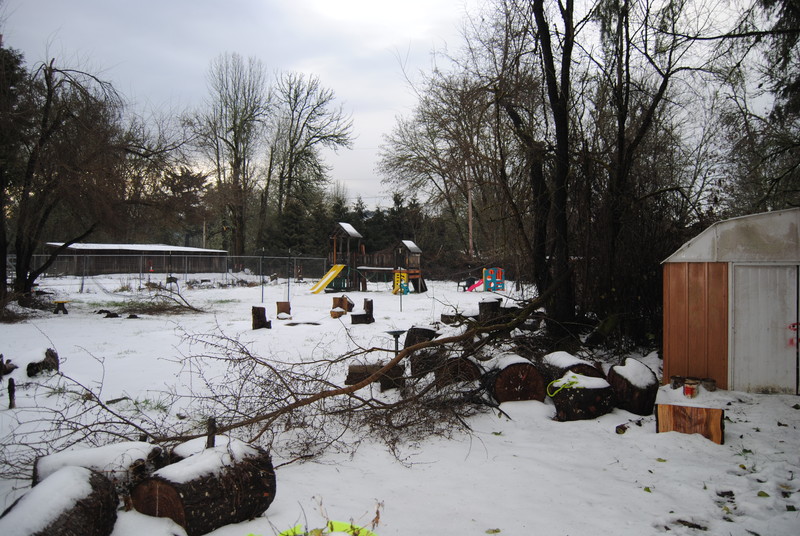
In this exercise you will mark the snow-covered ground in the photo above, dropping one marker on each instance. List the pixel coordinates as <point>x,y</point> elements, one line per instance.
<point>518,473</point>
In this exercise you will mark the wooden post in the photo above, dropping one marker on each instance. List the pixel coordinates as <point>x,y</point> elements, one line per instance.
<point>11,394</point>
<point>212,433</point>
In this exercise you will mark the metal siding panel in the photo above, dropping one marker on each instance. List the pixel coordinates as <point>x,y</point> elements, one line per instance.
<point>765,306</point>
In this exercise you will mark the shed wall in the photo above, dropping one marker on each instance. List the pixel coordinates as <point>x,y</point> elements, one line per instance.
<point>696,320</point>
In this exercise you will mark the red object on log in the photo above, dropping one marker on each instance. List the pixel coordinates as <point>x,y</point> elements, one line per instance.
<point>235,493</point>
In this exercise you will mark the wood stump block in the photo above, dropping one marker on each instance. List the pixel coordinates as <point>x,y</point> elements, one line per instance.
<point>708,422</point>
<point>394,378</point>
<point>579,397</point>
<point>489,311</point>
<point>516,381</point>
<point>367,317</point>
<point>418,334</point>
<point>241,487</point>
<point>260,318</point>
<point>284,307</point>
<point>456,369</point>
<point>344,303</point>
<point>425,360</point>
<point>93,509</point>
<point>635,387</point>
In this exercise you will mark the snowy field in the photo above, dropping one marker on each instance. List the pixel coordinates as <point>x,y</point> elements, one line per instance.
<point>518,473</point>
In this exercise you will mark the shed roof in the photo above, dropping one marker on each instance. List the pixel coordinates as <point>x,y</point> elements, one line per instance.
<point>145,248</point>
<point>764,237</point>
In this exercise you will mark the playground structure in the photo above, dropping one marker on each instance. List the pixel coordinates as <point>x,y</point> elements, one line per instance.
<point>352,267</point>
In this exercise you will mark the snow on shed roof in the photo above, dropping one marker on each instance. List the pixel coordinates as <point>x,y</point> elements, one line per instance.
<point>350,230</point>
<point>764,237</point>
<point>158,248</point>
<point>412,247</point>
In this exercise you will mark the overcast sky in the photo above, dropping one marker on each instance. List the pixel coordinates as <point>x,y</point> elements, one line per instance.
<point>157,53</point>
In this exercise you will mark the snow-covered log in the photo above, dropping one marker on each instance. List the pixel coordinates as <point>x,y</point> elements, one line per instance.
<point>73,501</point>
<point>229,483</point>
<point>49,363</point>
<point>512,377</point>
<point>578,397</point>
<point>124,464</point>
<point>556,364</point>
<point>635,386</point>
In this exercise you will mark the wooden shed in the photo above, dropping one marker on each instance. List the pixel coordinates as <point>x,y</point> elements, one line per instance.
<point>731,304</point>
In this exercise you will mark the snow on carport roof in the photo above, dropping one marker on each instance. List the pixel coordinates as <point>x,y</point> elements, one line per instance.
<point>765,237</point>
<point>136,247</point>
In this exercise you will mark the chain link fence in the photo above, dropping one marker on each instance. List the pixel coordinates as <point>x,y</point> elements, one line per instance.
<point>217,269</point>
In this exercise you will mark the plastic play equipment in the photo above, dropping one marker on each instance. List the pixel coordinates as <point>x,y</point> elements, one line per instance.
<point>475,285</point>
<point>494,279</point>
<point>327,278</point>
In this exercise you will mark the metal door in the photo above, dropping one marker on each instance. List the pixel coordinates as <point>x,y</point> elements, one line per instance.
<point>764,349</point>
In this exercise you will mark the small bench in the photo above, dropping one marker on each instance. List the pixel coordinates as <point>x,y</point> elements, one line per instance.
<point>61,307</point>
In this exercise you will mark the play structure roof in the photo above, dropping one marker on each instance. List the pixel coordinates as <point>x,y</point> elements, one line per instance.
<point>411,246</point>
<point>144,248</point>
<point>349,229</point>
<point>766,237</point>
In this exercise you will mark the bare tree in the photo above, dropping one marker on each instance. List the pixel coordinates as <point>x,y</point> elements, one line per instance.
<point>230,133</point>
<point>305,121</point>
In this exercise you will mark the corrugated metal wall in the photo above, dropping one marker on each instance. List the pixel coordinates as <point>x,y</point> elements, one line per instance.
<point>696,320</point>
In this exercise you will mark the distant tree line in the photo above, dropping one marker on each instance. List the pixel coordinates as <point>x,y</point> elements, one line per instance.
<point>575,144</point>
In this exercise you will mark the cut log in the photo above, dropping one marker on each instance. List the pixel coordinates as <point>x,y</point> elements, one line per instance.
<point>394,378</point>
<point>516,381</point>
<point>418,334</point>
<point>260,318</point>
<point>284,308</point>
<point>86,505</point>
<point>708,422</point>
<point>124,463</point>
<point>344,303</point>
<point>6,367</point>
<point>457,369</point>
<point>635,387</point>
<point>216,487</point>
<point>50,362</point>
<point>556,364</point>
<point>578,397</point>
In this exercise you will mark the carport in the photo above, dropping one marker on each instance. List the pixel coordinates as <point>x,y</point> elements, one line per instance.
<point>731,304</point>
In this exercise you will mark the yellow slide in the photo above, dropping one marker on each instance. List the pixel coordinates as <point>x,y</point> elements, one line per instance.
<point>327,278</point>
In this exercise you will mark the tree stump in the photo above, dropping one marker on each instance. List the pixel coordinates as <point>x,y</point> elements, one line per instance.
<point>489,310</point>
<point>456,369</point>
<point>87,506</point>
<point>578,397</point>
<point>240,486</point>
<point>284,308</point>
<point>517,380</point>
<point>365,317</point>
<point>344,303</point>
<point>425,360</point>
<point>50,362</point>
<point>260,318</point>
<point>635,387</point>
